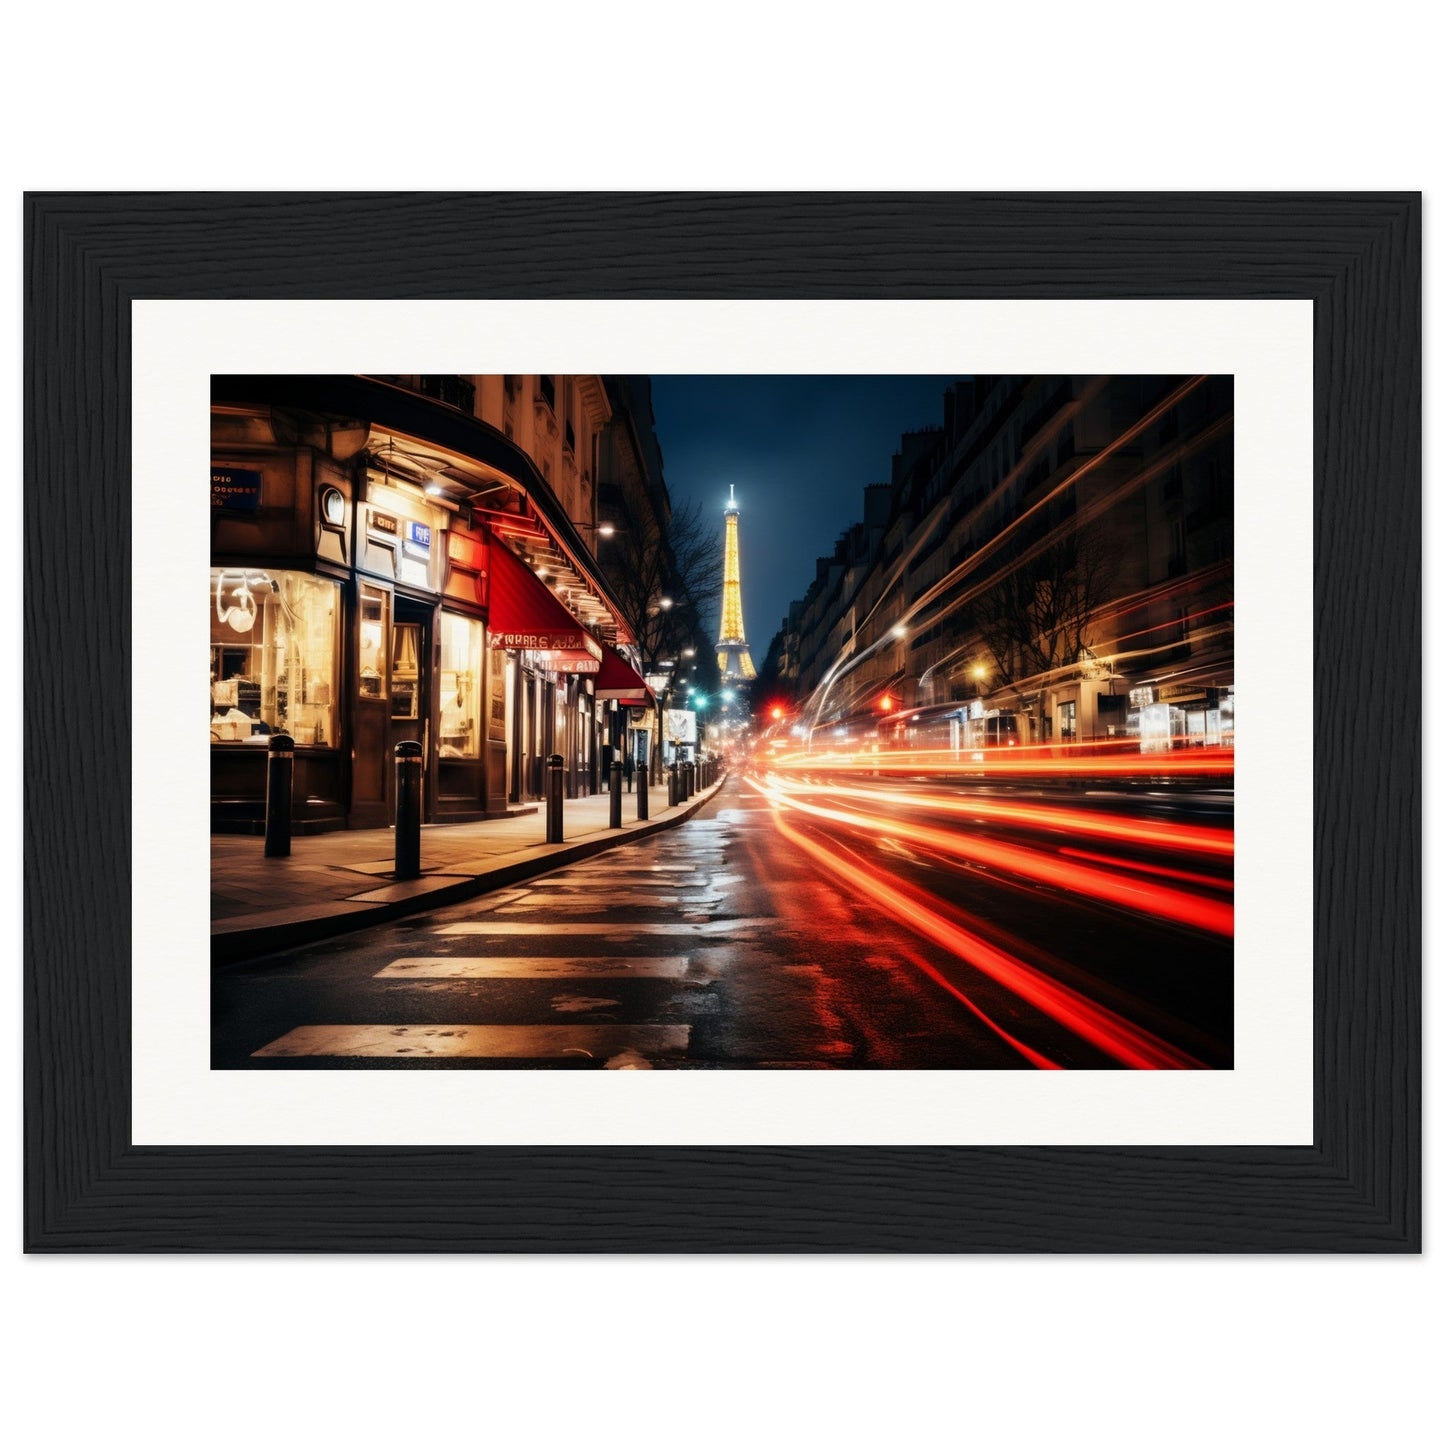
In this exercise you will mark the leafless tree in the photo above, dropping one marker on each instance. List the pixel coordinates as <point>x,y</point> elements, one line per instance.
<point>647,561</point>
<point>1034,619</point>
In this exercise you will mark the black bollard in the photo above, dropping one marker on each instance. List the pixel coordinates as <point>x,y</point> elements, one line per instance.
<point>689,779</point>
<point>642,795</point>
<point>554,798</point>
<point>408,810</point>
<point>672,785</point>
<point>280,767</point>
<point>614,802</point>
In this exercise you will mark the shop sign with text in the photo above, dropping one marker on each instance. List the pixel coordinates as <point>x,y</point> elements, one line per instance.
<point>235,489</point>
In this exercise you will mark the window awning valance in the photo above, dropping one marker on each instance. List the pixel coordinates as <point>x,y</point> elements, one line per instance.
<point>617,677</point>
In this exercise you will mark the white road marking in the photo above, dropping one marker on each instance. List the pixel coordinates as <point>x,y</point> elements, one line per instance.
<point>598,902</point>
<point>601,1042</point>
<point>605,870</point>
<point>628,880</point>
<point>498,929</point>
<point>517,966</point>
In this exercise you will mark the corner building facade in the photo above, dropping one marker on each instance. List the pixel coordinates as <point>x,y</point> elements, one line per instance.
<point>388,566</point>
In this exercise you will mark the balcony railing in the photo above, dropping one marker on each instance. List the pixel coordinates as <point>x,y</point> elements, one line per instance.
<point>454,391</point>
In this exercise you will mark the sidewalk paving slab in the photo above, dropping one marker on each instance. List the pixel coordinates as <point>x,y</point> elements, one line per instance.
<point>333,883</point>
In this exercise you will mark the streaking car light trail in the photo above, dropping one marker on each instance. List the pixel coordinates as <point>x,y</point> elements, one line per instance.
<point>1199,880</point>
<point>1052,761</point>
<point>1089,881</point>
<point>1176,837</point>
<point>1121,1040</point>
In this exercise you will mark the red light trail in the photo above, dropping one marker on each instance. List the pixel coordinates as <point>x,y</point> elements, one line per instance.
<point>1156,899</point>
<point>1178,837</point>
<point>1121,1040</point>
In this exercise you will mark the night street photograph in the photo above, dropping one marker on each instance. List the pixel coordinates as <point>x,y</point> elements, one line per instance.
<point>722,722</point>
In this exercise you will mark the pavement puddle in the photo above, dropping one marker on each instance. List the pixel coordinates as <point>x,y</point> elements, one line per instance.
<point>576,1003</point>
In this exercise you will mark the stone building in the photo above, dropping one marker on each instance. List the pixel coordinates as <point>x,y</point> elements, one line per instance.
<point>410,558</point>
<point>1059,552</point>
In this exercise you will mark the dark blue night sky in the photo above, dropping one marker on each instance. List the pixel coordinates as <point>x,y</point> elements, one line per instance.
<point>800,450</point>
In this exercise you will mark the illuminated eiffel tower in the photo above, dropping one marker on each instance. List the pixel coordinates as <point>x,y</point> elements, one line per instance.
<point>733,658</point>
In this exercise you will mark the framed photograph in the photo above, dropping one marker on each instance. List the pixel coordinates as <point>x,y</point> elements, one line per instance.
<point>1298,319</point>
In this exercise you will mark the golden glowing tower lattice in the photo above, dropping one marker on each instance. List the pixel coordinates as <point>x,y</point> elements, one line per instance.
<point>733,657</point>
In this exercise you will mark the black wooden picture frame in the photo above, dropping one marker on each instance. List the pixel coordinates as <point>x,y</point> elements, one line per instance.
<point>1356,257</point>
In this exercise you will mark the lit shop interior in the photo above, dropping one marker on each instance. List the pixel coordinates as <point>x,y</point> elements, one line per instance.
<point>376,581</point>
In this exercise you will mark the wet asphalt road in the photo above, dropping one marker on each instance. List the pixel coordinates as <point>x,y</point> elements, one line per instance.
<point>726,943</point>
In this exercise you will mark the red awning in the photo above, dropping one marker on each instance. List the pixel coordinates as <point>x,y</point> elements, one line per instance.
<point>581,663</point>
<point>618,678</point>
<point>522,614</point>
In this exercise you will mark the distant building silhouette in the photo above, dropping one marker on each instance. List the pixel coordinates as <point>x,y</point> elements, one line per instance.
<point>1061,548</point>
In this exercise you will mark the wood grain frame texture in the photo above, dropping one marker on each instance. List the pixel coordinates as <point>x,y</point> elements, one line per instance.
<point>1357,257</point>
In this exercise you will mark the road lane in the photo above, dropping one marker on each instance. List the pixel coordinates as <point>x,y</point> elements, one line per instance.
<point>759,935</point>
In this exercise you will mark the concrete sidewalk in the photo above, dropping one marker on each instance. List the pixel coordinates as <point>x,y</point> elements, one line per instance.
<point>335,882</point>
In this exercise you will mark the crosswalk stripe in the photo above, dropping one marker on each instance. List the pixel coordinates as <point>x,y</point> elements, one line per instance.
<point>607,870</point>
<point>594,902</point>
<point>635,1042</point>
<point>619,929</point>
<point>519,966</point>
<point>627,880</point>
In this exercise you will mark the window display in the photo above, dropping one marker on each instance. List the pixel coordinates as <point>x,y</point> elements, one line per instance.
<point>500,675</point>
<point>273,656</point>
<point>375,632</point>
<point>461,686</point>
<point>405,670</point>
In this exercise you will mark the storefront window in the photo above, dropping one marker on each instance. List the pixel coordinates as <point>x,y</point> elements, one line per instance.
<point>273,656</point>
<point>461,683</point>
<point>501,674</point>
<point>405,669</point>
<point>375,631</point>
